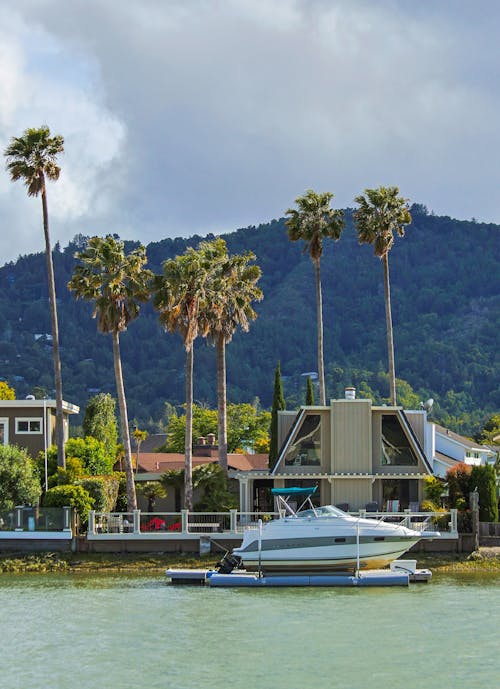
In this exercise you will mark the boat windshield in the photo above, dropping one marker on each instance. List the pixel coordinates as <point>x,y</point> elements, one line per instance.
<point>325,511</point>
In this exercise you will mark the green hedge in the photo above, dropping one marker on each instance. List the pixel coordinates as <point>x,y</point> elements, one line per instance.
<point>103,490</point>
<point>70,496</point>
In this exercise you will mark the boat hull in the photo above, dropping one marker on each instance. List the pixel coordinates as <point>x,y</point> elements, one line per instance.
<point>324,544</point>
<point>324,559</point>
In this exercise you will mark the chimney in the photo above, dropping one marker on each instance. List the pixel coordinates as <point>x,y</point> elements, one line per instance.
<point>201,441</point>
<point>211,438</point>
<point>350,393</point>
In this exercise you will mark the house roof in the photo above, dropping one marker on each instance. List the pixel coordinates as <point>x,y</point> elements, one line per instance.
<point>40,404</point>
<point>444,459</point>
<point>158,462</point>
<point>466,442</point>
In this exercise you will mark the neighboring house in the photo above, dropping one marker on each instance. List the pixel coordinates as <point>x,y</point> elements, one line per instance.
<point>448,448</point>
<point>31,423</point>
<point>153,464</point>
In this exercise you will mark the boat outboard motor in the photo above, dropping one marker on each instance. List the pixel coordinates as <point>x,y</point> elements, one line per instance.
<point>228,563</point>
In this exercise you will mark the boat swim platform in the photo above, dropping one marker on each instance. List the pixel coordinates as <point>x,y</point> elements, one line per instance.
<point>241,578</point>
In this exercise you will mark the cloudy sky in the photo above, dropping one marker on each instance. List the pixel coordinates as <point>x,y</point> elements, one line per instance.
<point>197,116</point>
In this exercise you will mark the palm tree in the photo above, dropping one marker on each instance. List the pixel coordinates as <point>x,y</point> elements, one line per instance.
<point>232,291</point>
<point>180,296</point>
<point>151,491</point>
<point>32,157</point>
<point>116,283</point>
<point>139,437</point>
<point>312,221</point>
<point>382,212</point>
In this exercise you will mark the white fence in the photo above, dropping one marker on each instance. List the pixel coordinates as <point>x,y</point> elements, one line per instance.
<point>234,522</point>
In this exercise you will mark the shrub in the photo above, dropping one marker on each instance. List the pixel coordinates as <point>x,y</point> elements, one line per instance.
<point>433,489</point>
<point>121,500</point>
<point>103,490</point>
<point>429,506</point>
<point>89,451</point>
<point>459,484</point>
<point>92,454</point>
<point>70,496</point>
<point>73,471</point>
<point>19,481</point>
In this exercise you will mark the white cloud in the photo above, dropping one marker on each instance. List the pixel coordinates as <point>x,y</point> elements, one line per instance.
<point>213,114</point>
<point>43,81</point>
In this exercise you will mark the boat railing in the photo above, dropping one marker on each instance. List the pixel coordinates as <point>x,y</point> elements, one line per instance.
<point>446,523</point>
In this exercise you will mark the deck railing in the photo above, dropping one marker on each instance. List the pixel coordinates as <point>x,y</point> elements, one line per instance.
<point>234,522</point>
<point>36,519</point>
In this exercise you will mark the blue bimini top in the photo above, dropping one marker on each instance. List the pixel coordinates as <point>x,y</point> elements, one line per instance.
<point>293,491</point>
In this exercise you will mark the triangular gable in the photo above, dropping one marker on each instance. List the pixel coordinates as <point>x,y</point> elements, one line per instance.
<point>288,440</point>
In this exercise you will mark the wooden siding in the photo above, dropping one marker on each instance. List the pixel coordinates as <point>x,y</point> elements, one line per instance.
<point>354,492</point>
<point>351,438</point>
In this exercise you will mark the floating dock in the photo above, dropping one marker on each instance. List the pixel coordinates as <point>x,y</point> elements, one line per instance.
<point>240,578</point>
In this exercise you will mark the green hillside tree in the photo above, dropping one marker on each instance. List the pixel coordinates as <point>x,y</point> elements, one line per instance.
<point>381,213</point>
<point>278,405</point>
<point>312,221</point>
<point>116,283</point>
<point>32,158</point>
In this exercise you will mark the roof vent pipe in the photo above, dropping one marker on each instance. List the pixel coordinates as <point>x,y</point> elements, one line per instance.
<point>350,393</point>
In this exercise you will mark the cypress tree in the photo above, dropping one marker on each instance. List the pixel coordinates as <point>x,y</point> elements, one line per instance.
<point>278,404</point>
<point>484,478</point>
<point>309,392</point>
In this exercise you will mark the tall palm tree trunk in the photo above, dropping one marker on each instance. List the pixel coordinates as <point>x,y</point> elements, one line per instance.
<point>61,460</point>
<point>188,444</point>
<point>122,404</point>
<point>319,311</point>
<point>221,402</point>
<point>390,339</point>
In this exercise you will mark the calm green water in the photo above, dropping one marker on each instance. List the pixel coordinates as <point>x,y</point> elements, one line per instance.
<point>63,632</point>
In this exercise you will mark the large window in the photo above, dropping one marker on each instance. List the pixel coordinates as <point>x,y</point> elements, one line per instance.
<point>396,449</point>
<point>29,426</point>
<point>305,449</point>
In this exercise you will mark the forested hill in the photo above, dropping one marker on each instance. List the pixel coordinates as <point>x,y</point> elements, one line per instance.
<point>445,282</point>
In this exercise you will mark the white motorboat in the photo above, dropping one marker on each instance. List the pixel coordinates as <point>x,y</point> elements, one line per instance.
<point>319,539</point>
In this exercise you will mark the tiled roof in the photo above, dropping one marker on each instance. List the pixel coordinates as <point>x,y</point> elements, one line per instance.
<point>158,462</point>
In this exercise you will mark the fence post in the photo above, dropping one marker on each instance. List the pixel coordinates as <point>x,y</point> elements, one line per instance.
<point>91,523</point>
<point>66,518</point>
<point>474,508</point>
<point>233,520</point>
<point>137,521</point>
<point>184,521</point>
<point>18,518</point>
<point>454,520</point>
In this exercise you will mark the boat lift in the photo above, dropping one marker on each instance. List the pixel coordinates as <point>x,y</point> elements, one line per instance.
<point>228,574</point>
